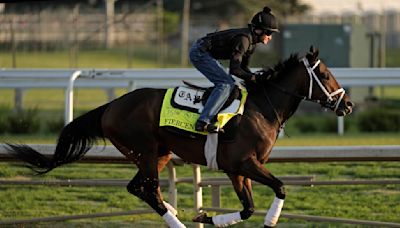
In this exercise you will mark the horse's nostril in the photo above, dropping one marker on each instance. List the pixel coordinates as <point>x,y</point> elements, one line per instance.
<point>349,104</point>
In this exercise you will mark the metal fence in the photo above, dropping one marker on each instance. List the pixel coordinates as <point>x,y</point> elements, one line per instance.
<point>279,154</point>
<point>64,27</point>
<point>66,24</point>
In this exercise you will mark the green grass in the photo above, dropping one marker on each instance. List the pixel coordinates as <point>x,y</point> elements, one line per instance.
<point>379,203</point>
<point>143,56</point>
<point>373,202</point>
<point>291,140</point>
<point>345,140</point>
<point>393,57</point>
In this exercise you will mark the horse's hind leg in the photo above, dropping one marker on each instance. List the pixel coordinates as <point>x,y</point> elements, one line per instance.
<point>243,190</point>
<point>147,178</point>
<point>257,172</point>
<point>149,172</point>
<point>135,186</point>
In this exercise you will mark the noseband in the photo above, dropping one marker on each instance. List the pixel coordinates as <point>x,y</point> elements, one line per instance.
<point>330,101</point>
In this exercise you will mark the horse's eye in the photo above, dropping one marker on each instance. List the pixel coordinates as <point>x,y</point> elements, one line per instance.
<point>325,76</point>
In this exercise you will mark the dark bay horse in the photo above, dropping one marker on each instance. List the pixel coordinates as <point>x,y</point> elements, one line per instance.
<point>131,123</point>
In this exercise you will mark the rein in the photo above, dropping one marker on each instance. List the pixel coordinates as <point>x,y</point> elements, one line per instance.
<point>283,90</point>
<point>273,108</point>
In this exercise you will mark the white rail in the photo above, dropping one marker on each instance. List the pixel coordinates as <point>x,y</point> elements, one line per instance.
<point>167,77</point>
<point>161,78</point>
<point>279,153</point>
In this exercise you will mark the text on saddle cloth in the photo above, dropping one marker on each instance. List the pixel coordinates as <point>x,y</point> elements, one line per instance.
<point>182,105</point>
<point>188,99</point>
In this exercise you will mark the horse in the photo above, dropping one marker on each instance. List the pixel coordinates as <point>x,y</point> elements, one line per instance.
<point>131,123</point>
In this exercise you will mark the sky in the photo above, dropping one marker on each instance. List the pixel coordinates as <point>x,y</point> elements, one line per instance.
<point>352,6</point>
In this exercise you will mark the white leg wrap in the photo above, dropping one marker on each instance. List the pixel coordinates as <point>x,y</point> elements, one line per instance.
<point>226,219</point>
<point>274,212</point>
<point>172,220</point>
<point>170,208</point>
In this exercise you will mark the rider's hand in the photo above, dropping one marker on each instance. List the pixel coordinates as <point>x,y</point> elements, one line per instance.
<point>263,75</point>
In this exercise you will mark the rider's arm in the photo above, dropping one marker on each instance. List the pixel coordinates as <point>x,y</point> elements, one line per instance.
<point>238,65</point>
<point>245,63</point>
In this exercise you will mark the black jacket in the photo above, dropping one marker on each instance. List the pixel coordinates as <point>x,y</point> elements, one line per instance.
<point>234,44</point>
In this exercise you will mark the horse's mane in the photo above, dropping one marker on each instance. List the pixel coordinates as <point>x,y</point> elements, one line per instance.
<point>282,69</point>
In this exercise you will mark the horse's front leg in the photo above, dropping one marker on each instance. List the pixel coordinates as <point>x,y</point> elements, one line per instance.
<point>243,190</point>
<point>256,171</point>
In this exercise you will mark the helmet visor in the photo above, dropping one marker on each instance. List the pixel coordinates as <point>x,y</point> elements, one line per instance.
<point>268,32</point>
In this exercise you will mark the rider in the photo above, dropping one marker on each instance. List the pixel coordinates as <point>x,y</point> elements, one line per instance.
<point>237,45</point>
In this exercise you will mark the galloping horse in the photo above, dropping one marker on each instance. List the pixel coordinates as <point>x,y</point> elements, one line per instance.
<point>131,123</point>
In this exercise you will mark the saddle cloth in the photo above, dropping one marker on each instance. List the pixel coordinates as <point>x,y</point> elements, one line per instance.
<point>182,107</point>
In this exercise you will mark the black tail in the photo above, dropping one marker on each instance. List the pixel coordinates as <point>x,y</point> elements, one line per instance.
<point>74,141</point>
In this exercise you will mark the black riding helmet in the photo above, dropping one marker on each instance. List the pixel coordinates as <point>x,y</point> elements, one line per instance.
<point>265,21</point>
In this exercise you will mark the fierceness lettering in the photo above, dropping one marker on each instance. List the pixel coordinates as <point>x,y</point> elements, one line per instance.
<point>178,123</point>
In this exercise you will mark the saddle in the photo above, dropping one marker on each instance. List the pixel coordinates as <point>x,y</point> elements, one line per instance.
<point>183,105</point>
<point>193,98</point>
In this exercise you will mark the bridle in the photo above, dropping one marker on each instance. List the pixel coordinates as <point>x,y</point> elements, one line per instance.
<point>330,101</point>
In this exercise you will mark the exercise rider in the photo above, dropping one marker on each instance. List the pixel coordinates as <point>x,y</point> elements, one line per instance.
<point>237,45</point>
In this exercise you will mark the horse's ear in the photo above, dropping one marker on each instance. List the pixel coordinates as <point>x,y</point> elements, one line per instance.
<point>313,54</point>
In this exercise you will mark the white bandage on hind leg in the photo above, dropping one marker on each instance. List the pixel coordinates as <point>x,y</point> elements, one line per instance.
<point>170,208</point>
<point>172,220</point>
<point>226,219</point>
<point>274,212</point>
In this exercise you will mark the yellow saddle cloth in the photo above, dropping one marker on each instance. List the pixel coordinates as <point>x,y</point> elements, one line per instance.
<point>185,120</point>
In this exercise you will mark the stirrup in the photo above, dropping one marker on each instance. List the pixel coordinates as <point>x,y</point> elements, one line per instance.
<point>205,127</point>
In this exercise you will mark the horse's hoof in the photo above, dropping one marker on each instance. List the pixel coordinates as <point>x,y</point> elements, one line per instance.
<point>200,217</point>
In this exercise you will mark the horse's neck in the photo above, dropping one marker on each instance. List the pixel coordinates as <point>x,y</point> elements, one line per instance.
<point>278,103</point>
<point>286,102</point>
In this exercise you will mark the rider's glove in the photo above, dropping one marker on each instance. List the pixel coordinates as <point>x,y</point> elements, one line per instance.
<point>263,75</point>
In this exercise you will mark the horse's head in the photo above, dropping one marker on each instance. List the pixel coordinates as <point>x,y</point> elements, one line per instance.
<point>308,78</point>
<point>323,87</point>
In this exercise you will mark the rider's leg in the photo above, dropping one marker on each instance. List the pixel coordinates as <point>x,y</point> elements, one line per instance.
<point>215,72</point>
<point>215,101</point>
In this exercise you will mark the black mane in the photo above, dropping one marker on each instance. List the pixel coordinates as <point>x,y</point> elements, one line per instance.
<point>282,68</point>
